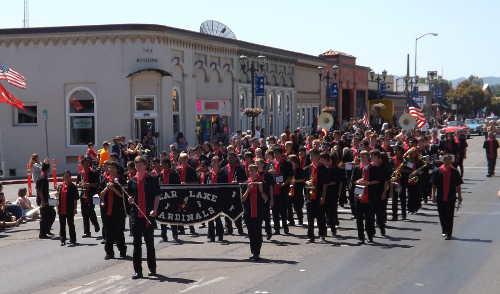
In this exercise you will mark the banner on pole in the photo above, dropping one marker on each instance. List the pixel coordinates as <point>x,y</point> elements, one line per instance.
<point>191,204</point>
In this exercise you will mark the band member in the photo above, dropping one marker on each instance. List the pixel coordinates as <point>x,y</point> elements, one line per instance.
<point>398,188</point>
<point>448,145</point>
<point>216,176</point>
<point>268,186</point>
<point>491,147</point>
<point>318,179</point>
<point>296,191</point>
<point>68,201</point>
<point>169,176</point>
<point>461,152</point>
<point>379,190</point>
<point>282,169</point>
<point>411,171</point>
<point>114,209</point>
<point>144,193</point>
<point>87,180</point>
<point>365,218</point>
<point>253,200</point>
<point>47,213</point>
<point>187,175</point>
<point>445,187</point>
<point>332,191</point>
<point>235,173</point>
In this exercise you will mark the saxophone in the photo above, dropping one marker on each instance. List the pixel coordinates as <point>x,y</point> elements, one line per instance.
<point>396,174</point>
<point>414,177</point>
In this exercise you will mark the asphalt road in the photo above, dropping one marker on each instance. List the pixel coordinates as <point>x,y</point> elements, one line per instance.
<point>412,258</point>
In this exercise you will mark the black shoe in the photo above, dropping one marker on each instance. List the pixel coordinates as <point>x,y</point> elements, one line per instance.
<point>152,273</point>
<point>63,243</point>
<point>108,257</point>
<point>123,254</point>
<point>448,237</point>
<point>87,236</point>
<point>277,232</point>
<point>43,237</point>
<point>97,229</point>
<point>240,232</point>
<point>361,242</point>
<point>301,223</point>
<point>211,240</point>
<point>137,276</point>
<point>50,234</point>
<point>165,239</point>
<point>203,225</point>
<point>269,236</point>
<point>310,240</point>
<point>286,230</point>
<point>382,231</point>
<point>488,176</point>
<point>72,244</point>
<point>334,232</point>
<point>370,240</point>
<point>255,257</point>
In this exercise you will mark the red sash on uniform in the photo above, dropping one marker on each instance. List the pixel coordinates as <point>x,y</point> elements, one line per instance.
<point>230,173</point>
<point>491,148</point>
<point>63,200</point>
<point>446,172</point>
<point>165,176</point>
<point>141,195</point>
<point>277,171</point>
<point>213,177</point>
<point>85,176</point>
<point>109,202</point>
<point>302,162</point>
<point>314,181</point>
<point>202,177</point>
<point>252,198</point>
<point>182,173</point>
<point>366,177</point>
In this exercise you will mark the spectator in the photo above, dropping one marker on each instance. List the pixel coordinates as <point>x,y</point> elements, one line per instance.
<point>103,153</point>
<point>25,204</point>
<point>181,142</point>
<point>7,220</point>
<point>13,209</point>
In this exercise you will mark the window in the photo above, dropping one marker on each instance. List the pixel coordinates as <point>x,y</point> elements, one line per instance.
<point>288,114</point>
<point>303,119</point>
<point>28,116</point>
<point>270,113</point>
<point>81,117</point>
<point>145,103</point>
<point>176,121</point>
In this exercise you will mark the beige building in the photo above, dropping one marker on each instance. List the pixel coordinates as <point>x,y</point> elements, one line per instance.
<point>96,82</point>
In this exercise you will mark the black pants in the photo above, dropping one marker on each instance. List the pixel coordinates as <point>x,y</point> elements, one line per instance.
<point>88,214</point>
<point>413,198</point>
<point>229,225</point>
<point>215,228</point>
<point>47,218</point>
<point>267,219</point>
<point>314,212</point>
<point>331,210</point>
<point>381,213</point>
<point>70,219</point>
<point>280,211</point>
<point>365,220</point>
<point>296,204</point>
<point>343,194</point>
<point>446,212</point>
<point>115,234</point>
<point>399,195</point>
<point>254,226</point>
<point>141,229</point>
<point>491,165</point>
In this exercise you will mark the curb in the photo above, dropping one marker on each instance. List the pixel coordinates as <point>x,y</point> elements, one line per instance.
<point>25,181</point>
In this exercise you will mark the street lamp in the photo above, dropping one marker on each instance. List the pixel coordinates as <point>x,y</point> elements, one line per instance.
<point>380,81</point>
<point>247,65</point>
<point>416,44</point>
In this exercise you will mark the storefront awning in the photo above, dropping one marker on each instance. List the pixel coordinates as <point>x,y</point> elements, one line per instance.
<point>160,71</point>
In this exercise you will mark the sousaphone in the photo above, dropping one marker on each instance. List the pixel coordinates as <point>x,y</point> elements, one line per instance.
<point>325,121</point>
<point>407,122</point>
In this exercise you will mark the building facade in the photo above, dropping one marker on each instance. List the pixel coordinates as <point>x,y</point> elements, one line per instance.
<point>91,83</point>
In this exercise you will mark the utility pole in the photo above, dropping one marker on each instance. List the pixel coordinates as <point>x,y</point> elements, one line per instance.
<point>26,22</point>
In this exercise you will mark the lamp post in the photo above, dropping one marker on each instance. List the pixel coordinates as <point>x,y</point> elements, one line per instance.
<point>247,65</point>
<point>380,82</point>
<point>323,78</point>
<point>416,44</point>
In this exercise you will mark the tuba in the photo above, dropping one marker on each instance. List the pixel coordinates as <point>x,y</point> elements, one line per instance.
<point>407,122</point>
<point>325,121</point>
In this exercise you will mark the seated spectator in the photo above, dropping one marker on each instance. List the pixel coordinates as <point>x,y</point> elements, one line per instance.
<point>7,220</point>
<point>25,204</point>
<point>13,209</point>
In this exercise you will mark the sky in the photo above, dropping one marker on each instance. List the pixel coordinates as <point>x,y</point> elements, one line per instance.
<point>379,33</point>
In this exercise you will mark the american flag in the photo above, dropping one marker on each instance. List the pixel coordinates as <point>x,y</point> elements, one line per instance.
<point>9,98</point>
<point>416,112</point>
<point>366,120</point>
<point>13,77</point>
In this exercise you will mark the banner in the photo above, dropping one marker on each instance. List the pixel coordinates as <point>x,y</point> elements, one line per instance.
<point>191,204</point>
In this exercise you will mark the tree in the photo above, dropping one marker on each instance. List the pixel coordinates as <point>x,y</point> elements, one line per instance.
<point>469,96</point>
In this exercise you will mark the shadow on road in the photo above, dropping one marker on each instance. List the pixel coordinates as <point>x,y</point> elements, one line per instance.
<point>421,221</point>
<point>404,229</point>
<point>262,260</point>
<point>397,239</point>
<point>161,278</point>
<point>389,246</point>
<point>472,240</point>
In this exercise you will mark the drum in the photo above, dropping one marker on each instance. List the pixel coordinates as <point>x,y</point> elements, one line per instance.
<point>359,190</point>
<point>96,200</point>
<point>53,202</point>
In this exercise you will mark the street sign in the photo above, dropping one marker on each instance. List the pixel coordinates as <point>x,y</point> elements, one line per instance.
<point>414,92</point>
<point>381,89</point>
<point>259,86</point>
<point>333,91</point>
<point>438,92</point>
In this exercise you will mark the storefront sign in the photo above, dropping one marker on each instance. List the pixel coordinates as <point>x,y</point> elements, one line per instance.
<point>218,107</point>
<point>186,205</point>
<point>259,86</point>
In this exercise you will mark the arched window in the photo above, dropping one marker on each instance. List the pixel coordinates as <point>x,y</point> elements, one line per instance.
<point>287,118</point>
<point>81,117</point>
<point>176,119</point>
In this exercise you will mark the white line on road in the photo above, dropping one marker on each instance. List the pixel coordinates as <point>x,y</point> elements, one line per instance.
<point>218,279</point>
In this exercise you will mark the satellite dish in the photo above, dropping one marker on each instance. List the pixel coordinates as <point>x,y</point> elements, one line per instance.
<point>218,29</point>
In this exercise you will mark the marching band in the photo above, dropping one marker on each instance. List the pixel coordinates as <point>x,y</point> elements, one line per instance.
<point>278,176</point>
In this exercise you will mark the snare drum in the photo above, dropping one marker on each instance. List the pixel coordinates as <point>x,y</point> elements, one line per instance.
<point>96,200</point>
<point>53,202</point>
<point>359,190</point>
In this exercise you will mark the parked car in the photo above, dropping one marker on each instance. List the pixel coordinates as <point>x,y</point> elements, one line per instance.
<point>475,126</point>
<point>455,126</point>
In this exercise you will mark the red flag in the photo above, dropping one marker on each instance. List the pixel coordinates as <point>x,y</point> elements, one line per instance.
<point>9,98</point>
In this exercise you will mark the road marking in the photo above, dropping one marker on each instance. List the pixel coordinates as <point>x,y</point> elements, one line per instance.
<point>419,284</point>
<point>302,270</point>
<point>218,279</point>
<point>106,280</point>
<point>262,292</point>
